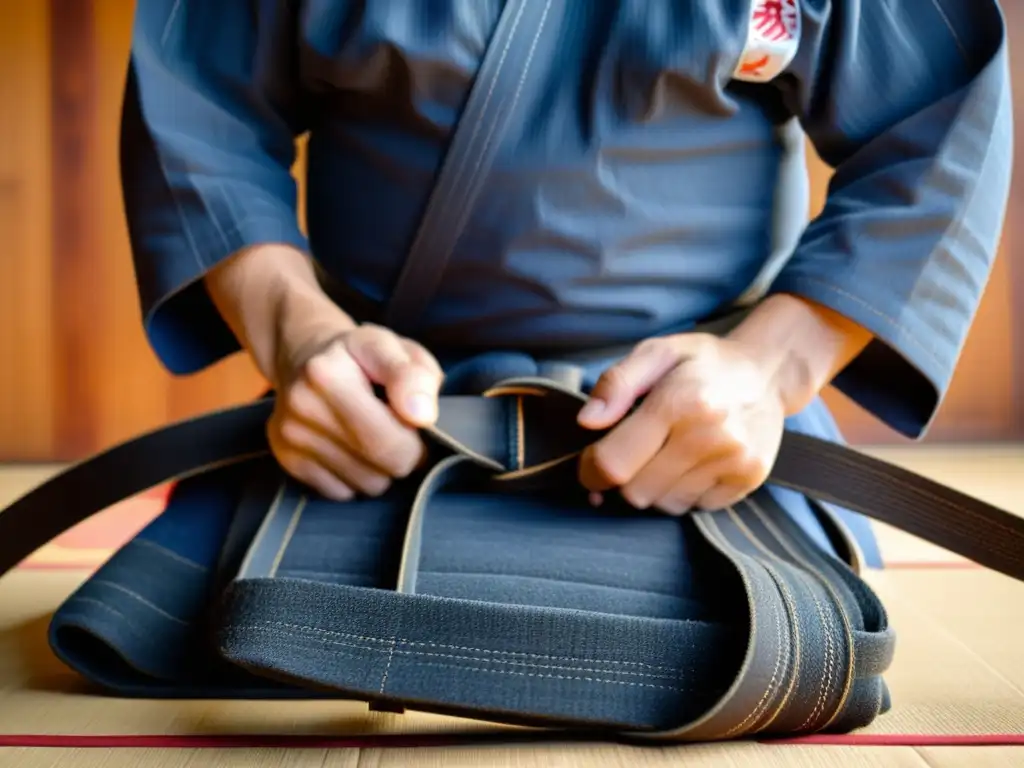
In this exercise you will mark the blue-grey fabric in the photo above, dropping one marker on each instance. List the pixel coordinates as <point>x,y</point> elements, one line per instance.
<point>531,604</point>
<point>643,198</point>
<point>649,192</point>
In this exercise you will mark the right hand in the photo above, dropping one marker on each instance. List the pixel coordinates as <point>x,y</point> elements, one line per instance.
<point>330,431</point>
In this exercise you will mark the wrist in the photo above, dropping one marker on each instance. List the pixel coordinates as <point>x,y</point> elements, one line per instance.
<point>270,298</point>
<point>800,344</point>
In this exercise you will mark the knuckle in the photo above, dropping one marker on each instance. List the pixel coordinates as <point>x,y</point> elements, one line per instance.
<point>704,343</point>
<point>753,467</point>
<point>615,378</point>
<point>392,453</point>
<point>635,498</point>
<point>322,368</point>
<point>374,484</point>
<point>301,401</point>
<point>292,433</point>
<point>723,496</point>
<point>374,348</point>
<point>678,502</point>
<point>653,347</point>
<point>678,400</point>
<point>608,465</point>
<point>673,402</point>
<point>407,467</point>
<point>705,406</point>
<point>674,507</point>
<point>297,466</point>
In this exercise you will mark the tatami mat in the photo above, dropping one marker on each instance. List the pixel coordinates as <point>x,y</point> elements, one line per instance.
<point>957,682</point>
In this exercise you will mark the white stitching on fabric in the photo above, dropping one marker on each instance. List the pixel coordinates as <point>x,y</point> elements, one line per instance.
<point>773,684</point>
<point>790,604</point>
<point>123,589</point>
<point>474,173</point>
<point>169,554</point>
<point>387,666</point>
<point>827,681</point>
<point>460,168</point>
<point>952,31</point>
<point>109,609</point>
<point>809,564</point>
<point>482,660</point>
<point>289,532</point>
<point>172,17</point>
<point>284,626</point>
<point>830,664</point>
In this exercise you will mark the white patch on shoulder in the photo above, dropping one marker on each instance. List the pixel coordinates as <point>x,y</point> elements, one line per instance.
<point>773,37</point>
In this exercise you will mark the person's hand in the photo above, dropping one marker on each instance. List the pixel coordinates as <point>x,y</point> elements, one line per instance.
<point>330,430</point>
<point>705,436</point>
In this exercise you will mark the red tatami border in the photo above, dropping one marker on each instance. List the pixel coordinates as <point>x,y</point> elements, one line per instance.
<point>400,741</point>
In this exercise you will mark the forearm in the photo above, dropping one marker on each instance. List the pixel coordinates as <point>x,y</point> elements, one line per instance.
<point>803,345</point>
<point>268,293</point>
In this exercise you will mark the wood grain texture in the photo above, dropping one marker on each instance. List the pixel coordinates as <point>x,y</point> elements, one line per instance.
<point>1013,240</point>
<point>26,371</point>
<point>107,384</point>
<point>78,280</point>
<point>81,375</point>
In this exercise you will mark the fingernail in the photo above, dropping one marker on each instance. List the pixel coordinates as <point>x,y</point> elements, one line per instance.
<point>592,410</point>
<point>421,407</point>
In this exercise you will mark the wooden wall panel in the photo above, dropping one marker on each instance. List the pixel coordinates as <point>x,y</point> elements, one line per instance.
<point>26,327</point>
<point>79,376</point>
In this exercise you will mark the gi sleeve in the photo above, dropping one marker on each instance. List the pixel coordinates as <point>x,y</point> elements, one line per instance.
<point>910,103</point>
<point>208,127</point>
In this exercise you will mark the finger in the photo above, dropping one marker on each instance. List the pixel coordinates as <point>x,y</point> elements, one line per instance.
<point>409,377</point>
<point>684,450</point>
<point>306,470</point>
<point>419,355</point>
<point>616,458</point>
<point>371,428</point>
<point>693,392</point>
<point>619,387</point>
<point>724,495</point>
<point>683,496</point>
<point>304,403</point>
<point>413,393</point>
<point>335,457</point>
<point>308,421</point>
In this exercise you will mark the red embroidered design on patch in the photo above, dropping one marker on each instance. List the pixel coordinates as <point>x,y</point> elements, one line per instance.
<point>774,19</point>
<point>754,67</point>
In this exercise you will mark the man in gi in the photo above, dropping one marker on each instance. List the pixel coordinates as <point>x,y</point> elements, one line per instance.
<point>660,184</point>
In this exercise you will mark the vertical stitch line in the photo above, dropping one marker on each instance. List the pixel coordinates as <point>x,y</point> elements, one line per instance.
<point>840,608</point>
<point>261,533</point>
<point>772,685</point>
<point>387,666</point>
<point>289,532</point>
<point>520,434</point>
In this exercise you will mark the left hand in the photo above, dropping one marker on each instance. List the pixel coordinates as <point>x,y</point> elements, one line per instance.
<point>706,434</point>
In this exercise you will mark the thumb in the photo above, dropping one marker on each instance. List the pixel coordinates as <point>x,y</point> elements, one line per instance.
<point>413,391</point>
<point>410,383</point>
<point>631,378</point>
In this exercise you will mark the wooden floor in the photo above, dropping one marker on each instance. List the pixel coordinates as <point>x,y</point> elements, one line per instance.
<point>957,682</point>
